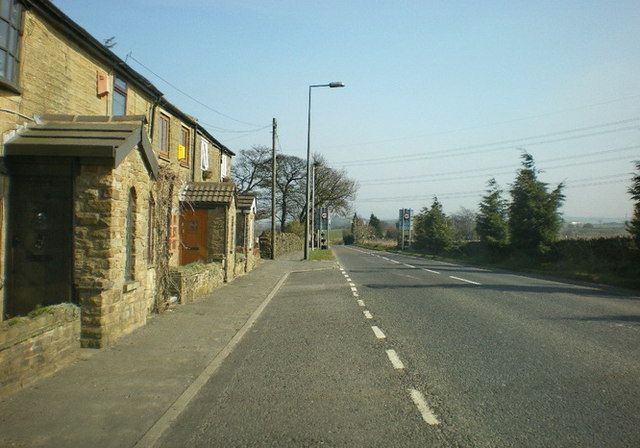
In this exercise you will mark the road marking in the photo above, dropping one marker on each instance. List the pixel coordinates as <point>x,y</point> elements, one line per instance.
<point>360,302</point>
<point>409,266</point>
<point>354,289</point>
<point>352,284</point>
<point>464,280</point>
<point>355,294</point>
<point>427,414</point>
<point>429,270</point>
<point>385,258</point>
<point>394,261</point>
<point>367,314</point>
<point>378,332</point>
<point>395,359</point>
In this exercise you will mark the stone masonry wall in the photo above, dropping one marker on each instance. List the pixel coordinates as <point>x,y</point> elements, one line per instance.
<point>36,346</point>
<point>196,280</point>
<point>285,243</point>
<point>111,305</point>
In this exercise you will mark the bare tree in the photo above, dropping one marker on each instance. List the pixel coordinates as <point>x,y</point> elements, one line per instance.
<point>464,224</point>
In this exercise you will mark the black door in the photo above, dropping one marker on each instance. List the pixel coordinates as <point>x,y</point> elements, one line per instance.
<point>40,239</point>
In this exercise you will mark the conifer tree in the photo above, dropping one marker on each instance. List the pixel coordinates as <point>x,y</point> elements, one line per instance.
<point>433,229</point>
<point>376,226</point>
<point>491,221</point>
<point>534,220</point>
<point>633,227</point>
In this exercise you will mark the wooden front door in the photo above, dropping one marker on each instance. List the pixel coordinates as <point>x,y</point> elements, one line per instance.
<point>193,236</point>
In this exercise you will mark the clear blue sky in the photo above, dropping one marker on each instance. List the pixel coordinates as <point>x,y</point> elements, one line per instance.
<point>441,81</point>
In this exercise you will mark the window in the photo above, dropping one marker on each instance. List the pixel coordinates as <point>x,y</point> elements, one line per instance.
<point>10,22</point>
<point>163,133</point>
<point>204,155</point>
<point>130,236</point>
<point>150,228</point>
<point>183,150</point>
<point>223,166</point>
<point>119,97</point>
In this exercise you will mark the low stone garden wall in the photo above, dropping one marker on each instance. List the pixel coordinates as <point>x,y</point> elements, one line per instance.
<point>37,345</point>
<point>196,280</point>
<point>285,243</point>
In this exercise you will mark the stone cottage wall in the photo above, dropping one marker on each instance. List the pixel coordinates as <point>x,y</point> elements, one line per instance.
<point>111,306</point>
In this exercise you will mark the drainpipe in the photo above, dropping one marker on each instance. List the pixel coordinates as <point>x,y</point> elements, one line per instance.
<point>225,258</point>
<point>193,153</point>
<point>153,116</point>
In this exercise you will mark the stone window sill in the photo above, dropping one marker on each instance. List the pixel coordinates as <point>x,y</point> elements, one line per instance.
<point>130,286</point>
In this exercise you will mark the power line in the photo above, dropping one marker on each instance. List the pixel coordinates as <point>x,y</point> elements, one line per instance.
<point>464,150</point>
<point>474,170</point>
<point>447,179</point>
<point>189,96</point>
<point>496,123</point>
<point>584,182</point>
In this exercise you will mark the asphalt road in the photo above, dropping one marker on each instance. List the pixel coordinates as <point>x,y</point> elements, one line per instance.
<point>459,356</point>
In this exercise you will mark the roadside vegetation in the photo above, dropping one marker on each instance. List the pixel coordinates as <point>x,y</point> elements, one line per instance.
<point>523,233</point>
<point>321,255</point>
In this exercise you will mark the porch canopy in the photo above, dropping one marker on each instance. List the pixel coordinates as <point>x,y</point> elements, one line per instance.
<point>246,202</point>
<point>208,194</point>
<point>100,139</point>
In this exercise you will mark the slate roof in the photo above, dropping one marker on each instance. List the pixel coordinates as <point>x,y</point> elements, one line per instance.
<point>245,201</point>
<point>208,193</point>
<point>104,139</point>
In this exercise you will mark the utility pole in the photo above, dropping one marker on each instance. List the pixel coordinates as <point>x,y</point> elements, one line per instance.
<point>273,190</point>
<point>313,207</point>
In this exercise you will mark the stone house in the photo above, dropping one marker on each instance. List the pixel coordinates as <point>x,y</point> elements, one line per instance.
<point>93,157</point>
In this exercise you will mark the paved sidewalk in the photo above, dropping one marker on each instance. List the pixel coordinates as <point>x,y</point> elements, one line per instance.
<point>111,397</point>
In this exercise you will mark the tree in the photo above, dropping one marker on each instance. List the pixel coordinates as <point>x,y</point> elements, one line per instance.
<point>359,229</point>
<point>252,173</point>
<point>464,224</point>
<point>433,229</point>
<point>491,222</point>
<point>376,226</point>
<point>633,227</point>
<point>534,220</point>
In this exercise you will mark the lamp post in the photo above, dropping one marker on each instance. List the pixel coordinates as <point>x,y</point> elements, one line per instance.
<point>331,85</point>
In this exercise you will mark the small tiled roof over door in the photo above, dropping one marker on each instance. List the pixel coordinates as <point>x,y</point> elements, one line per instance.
<point>245,201</point>
<point>205,194</point>
<point>97,139</point>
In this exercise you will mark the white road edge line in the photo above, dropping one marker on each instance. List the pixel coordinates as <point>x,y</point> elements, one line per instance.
<point>394,261</point>
<point>355,294</point>
<point>409,266</point>
<point>395,359</point>
<point>360,302</point>
<point>429,270</point>
<point>367,314</point>
<point>378,332</point>
<point>352,284</point>
<point>464,280</point>
<point>427,414</point>
<point>354,289</point>
<point>153,435</point>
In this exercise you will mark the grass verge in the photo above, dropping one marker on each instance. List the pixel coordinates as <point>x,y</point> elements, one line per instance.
<point>321,255</point>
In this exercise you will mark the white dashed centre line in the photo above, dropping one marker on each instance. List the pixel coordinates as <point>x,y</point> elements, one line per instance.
<point>464,280</point>
<point>429,270</point>
<point>360,302</point>
<point>378,332</point>
<point>395,359</point>
<point>367,314</point>
<point>409,266</point>
<point>355,294</point>
<point>354,289</point>
<point>352,284</point>
<point>394,261</point>
<point>427,414</point>
<point>385,258</point>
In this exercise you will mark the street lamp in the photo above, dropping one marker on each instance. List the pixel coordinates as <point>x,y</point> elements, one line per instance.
<point>331,85</point>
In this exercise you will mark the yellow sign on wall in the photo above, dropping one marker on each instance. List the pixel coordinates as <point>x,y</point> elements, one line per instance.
<point>182,152</point>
